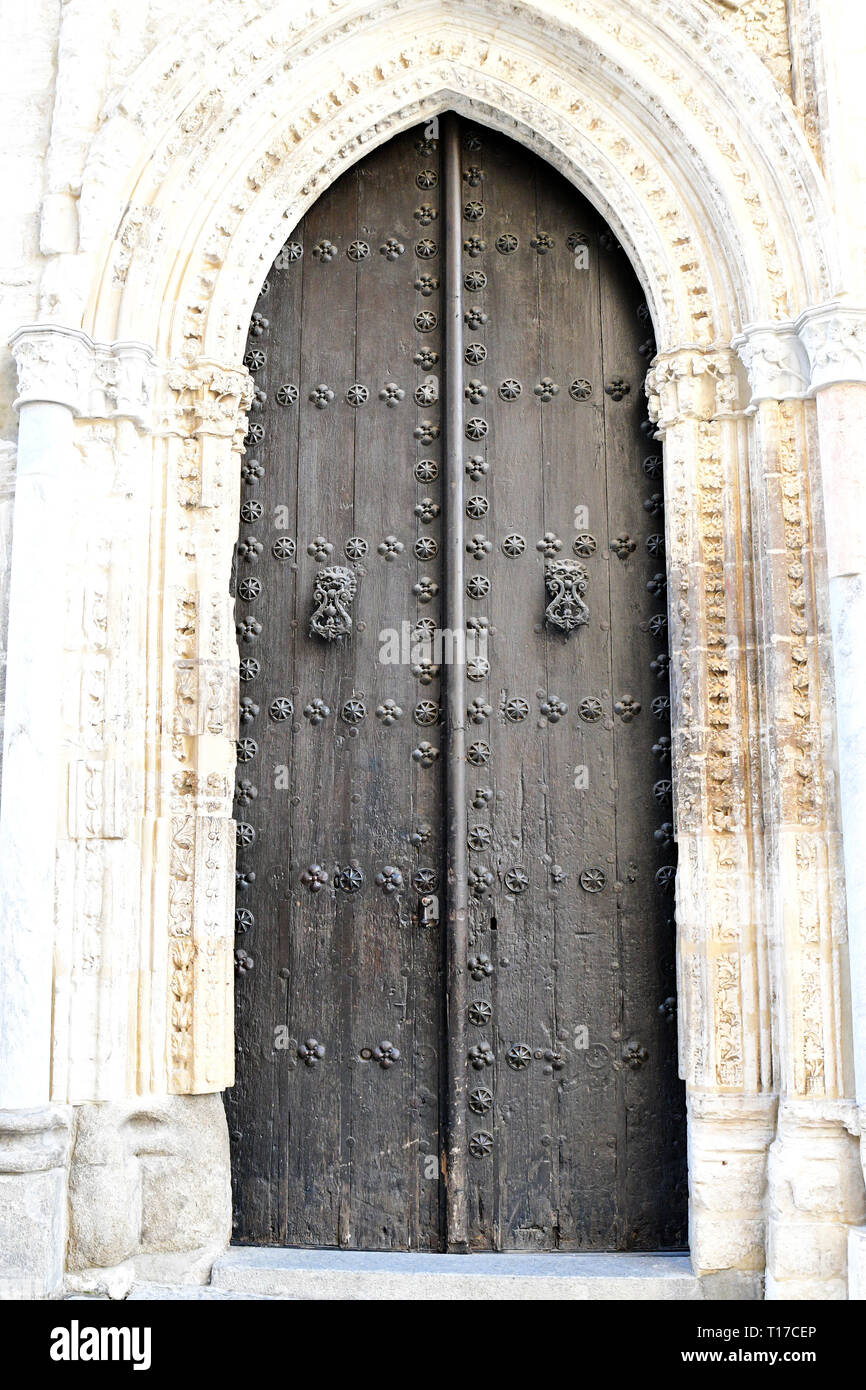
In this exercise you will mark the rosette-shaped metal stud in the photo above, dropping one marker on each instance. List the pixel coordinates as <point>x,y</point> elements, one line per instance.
<point>389,879</point>
<point>314,878</point>
<point>311,1052</point>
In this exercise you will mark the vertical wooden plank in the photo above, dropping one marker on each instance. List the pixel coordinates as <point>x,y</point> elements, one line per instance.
<point>519,944</point>
<point>424,697</point>
<point>454,692</point>
<point>580,802</point>
<point>393,962</point>
<point>258,1104</point>
<point>317,932</point>
<point>651,1163</point>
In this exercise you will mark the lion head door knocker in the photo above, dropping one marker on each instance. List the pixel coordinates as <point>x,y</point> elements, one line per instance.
<point>565,581</point>
<point>334,591</point>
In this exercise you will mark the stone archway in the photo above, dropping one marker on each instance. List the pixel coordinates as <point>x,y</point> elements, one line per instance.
<point>133,387</point>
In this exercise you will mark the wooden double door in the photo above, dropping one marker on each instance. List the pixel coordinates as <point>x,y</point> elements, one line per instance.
<point>456,1022</point>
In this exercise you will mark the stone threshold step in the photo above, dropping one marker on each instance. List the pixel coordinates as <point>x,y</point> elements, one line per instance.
<point>190,1293</point>
<point>350,1274</point>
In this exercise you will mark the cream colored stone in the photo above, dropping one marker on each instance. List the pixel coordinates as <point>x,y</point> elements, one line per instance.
<point>149,1191</point>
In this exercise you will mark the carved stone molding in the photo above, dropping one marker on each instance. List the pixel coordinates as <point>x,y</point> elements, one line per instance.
<point>344,77</point>
<point>95,380</point>
<point>97,800</point>
<point>201,422</point>
<point>207,398</point>
<point>203,404</point>
<point>834,336</point>
<point>138,420</point>
<point>764,26</point>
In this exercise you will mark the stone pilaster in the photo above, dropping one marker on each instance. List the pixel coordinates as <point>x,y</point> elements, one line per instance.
<point>725,1045</point>
<point>809,956</point>
<point>204,424</point>
<point>834,339</point>
<point>134,467</point>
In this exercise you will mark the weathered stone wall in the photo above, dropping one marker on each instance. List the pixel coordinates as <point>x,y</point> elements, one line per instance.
<point>163,151</point>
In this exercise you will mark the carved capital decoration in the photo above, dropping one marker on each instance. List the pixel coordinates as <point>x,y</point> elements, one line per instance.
<point>834,336</point>
<point>204,405</point>
<point>53,365</point>
<point>210,399</point>
<point>693,384</point>
<point>775,361</point>
<point>98,381</point>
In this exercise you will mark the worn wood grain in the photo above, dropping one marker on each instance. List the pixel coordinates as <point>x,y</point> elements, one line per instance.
<point>571,994</point>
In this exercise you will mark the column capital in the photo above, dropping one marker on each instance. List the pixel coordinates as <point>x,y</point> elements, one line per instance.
<point>206,397</point>
<point>775,361</point>
<point>834,337</point>
<point>694,383</point>
<point>101,381</point>
<point>824,346</point>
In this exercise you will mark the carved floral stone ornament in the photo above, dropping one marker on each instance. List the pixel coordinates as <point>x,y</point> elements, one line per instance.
<point>565,582</point>
<point>334,590</point>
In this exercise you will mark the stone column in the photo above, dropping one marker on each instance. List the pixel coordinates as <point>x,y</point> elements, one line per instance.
<point>815,1188</point>
<point>724,1005</point>
<point>51,370</point>
<point>834,337</point>
<point>34,1134</point>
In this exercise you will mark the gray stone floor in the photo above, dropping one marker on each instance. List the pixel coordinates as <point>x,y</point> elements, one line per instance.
<point>245,1273</point>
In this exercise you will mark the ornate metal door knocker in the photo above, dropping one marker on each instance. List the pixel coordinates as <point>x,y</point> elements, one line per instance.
<point>565,581</point>
<point>334,590</point>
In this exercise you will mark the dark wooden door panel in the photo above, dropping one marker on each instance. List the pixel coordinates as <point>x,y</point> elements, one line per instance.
<point>332,1130</point>
<point>575,1120</point>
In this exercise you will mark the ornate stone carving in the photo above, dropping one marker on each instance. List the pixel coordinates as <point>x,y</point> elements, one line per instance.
<point>98,800</point>
<point>834,337</point>
<point>764,26</point>
<point>776,362</point>
<point>96,380</point>
<point>694,385</point>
